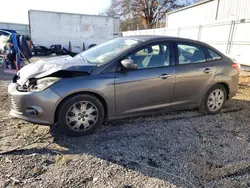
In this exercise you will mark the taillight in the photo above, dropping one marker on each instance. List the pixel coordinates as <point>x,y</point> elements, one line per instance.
<point>236,66</point>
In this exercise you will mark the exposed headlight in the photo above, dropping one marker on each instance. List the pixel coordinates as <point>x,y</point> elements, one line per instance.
<point>44,83</point>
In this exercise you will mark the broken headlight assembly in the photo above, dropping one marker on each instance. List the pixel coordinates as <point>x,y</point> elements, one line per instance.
<point>42,84</point>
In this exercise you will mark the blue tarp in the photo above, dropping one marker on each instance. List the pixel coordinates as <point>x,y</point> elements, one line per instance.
<point>9,30</point>
<point>14,41</point>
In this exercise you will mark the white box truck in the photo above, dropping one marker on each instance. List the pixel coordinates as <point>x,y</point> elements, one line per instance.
<point>48,28</point>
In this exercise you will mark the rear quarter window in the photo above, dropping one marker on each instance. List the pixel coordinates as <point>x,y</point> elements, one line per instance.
<point>215,56</point>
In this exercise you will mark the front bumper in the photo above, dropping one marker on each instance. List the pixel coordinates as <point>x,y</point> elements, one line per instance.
<point>44,103</point>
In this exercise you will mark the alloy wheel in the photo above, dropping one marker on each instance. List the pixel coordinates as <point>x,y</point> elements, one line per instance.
<point>215,100</point>
<point>81,116</point>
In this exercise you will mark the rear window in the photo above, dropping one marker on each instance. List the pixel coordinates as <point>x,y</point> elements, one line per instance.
<point>214,55</point>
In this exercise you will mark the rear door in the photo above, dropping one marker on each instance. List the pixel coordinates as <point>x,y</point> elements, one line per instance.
<point>194,74</point>
<point>151,86</point>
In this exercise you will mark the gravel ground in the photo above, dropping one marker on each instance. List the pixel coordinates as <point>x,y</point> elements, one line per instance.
<point>177,149</point>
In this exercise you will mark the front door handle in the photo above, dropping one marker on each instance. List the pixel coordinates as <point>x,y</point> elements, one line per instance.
<point>207,70</point>
<point>164,76</point>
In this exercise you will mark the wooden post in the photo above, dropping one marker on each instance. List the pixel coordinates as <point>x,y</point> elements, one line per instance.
<point>70,48</point>
<point>83,46</point>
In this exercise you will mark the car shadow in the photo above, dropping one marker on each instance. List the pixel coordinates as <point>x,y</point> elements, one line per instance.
<point>177,147</point>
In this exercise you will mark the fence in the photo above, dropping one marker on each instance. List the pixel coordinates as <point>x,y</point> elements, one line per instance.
<point>231,38</point>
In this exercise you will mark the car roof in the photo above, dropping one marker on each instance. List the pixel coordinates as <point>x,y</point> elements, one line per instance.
<point>146,38</point>
<point>157,38</point>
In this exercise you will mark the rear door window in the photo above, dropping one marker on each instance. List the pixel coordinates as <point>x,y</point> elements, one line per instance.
<point>188,53</point>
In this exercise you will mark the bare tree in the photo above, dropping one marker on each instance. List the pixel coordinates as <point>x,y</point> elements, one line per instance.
<point>149,12</point>
<point>190,2</point>
<point>125,23</point>
<point>143,14</point>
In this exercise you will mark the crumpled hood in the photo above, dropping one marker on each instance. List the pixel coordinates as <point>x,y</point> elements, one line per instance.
<point>44,68</point>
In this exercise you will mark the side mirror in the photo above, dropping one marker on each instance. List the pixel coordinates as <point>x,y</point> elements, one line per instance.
<point>129,64</point>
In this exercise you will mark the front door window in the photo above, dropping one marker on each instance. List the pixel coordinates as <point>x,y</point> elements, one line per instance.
<point>152,56</point>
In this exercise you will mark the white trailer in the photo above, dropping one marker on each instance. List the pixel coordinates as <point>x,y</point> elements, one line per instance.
<point>48,28</point>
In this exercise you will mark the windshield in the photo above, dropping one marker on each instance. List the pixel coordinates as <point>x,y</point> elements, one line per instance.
<point>103,53</point>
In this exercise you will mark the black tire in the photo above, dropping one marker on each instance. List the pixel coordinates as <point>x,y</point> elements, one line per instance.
<point>62,112</point>
<point>204,104</point>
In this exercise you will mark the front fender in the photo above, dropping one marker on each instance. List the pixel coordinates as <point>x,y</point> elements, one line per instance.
<point>101,85</point>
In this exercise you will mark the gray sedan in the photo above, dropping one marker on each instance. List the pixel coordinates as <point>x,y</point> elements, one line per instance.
<point>124,77</point>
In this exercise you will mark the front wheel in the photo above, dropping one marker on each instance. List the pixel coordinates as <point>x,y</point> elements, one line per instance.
<point>214,100</point>
<point>80,115</point>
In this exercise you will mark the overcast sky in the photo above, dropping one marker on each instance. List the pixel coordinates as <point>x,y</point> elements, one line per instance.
<point>16,11</point>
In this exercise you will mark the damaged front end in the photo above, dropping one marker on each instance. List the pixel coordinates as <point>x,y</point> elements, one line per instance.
<point>40,84</point>
<point>41,75</point>
<point>36,85</point>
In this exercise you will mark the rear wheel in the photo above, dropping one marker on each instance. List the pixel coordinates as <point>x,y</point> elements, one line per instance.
<point>214,100</point>
<point>80,115</point>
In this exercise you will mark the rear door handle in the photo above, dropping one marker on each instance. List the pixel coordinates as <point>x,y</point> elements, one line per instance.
<point>164,76</point>
<point>207,70</point>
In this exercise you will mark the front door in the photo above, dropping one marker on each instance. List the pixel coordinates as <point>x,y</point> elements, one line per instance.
<point>151,85</point>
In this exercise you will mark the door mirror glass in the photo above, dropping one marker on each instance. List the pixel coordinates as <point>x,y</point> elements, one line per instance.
<point>129,64</point>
